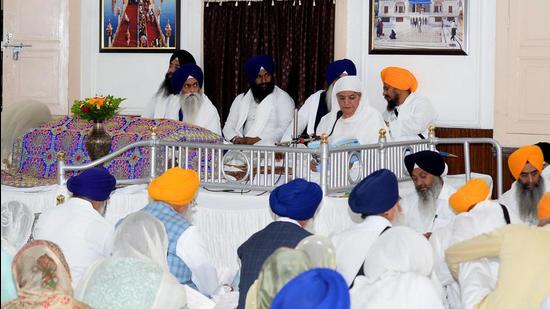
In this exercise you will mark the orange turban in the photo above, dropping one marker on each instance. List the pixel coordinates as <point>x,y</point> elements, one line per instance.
<point>473,192</point>
<point>177,186</point>
<point>399,78</point>
<point>520,157</point>
<point>544,207</point>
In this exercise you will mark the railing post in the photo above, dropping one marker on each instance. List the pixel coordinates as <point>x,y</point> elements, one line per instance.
<point>60,168</point>
<point>467,166</point>
<point>431,137</point>
<point>295,126</point>
<point>382,149</point>
<point>499,168</point>
<point>154,140</point>
<point>324,163</point>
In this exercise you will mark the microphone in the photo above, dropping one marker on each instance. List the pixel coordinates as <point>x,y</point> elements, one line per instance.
<point>338,115</point>
<point>299,140</point>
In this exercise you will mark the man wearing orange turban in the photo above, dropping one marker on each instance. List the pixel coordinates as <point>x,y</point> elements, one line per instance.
<point>526,165</point>
<point>475,215</point>
<point>407,114</point>
<point>172,194</point>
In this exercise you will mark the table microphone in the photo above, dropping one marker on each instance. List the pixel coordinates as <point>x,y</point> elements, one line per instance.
<point>338,116</point>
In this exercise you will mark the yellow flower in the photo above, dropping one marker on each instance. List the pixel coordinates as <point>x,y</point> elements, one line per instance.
<point>97,101</point>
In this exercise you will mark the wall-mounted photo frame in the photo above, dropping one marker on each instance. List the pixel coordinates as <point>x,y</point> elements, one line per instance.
<point>421,27</point>
<point>139,26</point>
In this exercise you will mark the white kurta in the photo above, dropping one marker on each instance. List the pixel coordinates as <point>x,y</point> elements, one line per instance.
<point>477,278</point>
<point>80,231</point>
<point>416,114</point>
<point>272,117</point>
<point>509,199</point>
<point>352,245</point>
<point>443,214</point>
<point>192,249</point>
<point>207,116</point>
<point>364,125</point>
<point>159,106</point>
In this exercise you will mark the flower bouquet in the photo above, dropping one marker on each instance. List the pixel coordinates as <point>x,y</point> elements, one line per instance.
<point>97,109</point>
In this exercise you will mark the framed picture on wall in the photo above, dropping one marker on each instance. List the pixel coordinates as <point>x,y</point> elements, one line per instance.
<point>429,27</point>
<point>137,26</point>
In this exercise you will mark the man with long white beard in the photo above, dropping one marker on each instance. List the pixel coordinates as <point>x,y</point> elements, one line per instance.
<point>192,105</point>
<point>427,209</point>
<point>261,114</point>
<point>525,165</point>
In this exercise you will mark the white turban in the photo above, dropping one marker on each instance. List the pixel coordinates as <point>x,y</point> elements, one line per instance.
<point>348,83</point>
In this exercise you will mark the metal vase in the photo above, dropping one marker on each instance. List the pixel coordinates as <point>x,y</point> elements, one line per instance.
<point>98,143</point>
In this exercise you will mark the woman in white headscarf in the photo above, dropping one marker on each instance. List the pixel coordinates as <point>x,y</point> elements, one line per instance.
<point>137,275</point>
<point>17,220</point>
<point>358,119</point>
<point>397,271</point>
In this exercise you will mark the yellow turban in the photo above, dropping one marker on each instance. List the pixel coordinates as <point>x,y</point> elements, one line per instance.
<point>473,192</point>
<point>399,78</point>
<point>544,207</point>
<point>177,186</point>
<point>520,157</point>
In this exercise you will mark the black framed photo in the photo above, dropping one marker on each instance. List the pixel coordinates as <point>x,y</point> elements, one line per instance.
<point>139,26</point>
<point>422,27</point>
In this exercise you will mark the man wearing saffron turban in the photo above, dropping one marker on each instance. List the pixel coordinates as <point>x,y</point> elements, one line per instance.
<point>526,165</point>
<point>261,114</point>
<point>407,114</point>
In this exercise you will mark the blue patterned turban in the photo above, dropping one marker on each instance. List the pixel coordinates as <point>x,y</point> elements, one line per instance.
<point>95,183</point>
<point>335,69</point>
<point>375,194</point>
<point>253,65</point>
<point>185,72</point>
<point>297,199</point>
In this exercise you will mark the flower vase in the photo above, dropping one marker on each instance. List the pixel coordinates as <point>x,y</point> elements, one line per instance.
<point>98,143</point>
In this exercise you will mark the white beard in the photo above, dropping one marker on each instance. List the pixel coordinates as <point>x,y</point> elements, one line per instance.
<point>190,105</point>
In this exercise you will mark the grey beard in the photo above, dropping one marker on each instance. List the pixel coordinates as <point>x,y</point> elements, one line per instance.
<point>427,201</point>
<point>190,104</point>
<point>528,200</point>
<point>328,97</point>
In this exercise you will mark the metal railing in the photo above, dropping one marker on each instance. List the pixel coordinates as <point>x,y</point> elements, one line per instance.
<point>261,168</point>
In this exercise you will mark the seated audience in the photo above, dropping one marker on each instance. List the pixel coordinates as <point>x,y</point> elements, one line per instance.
<point>17,221</point>
<point>358,119</point>
<point>320,103</point>
<point>475,215</point>
<point>78,226</point>
<point>427,209</point>
<point>376,198</point>
<point>295,203</point>
<point>42,278</point>
<point>158,107</point>
<point>317,288</point>
<point>397,271</point>
<point>261,114</point>
<point>407,114</point>
<point>8,284</point>
<point>523,250</point>
<point>172,194</point>
<point>545,147</point>
<point>191,104</point>
<point>525,165</point>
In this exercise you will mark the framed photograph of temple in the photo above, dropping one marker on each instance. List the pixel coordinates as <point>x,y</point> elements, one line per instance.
<point>139,26</point>
<point>431,27</point>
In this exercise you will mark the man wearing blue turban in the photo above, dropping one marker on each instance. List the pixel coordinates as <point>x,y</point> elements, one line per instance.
<point>320,103</point>
<point>427,208</point>
<point>190,104</point>
<point>376,199</point>
<point>295,204</point>
<point>78,226</point>
<point>157,107</point>
<point>262,114</point>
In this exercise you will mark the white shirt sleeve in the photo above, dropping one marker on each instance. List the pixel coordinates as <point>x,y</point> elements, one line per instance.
<point>230,127</point>
<point>191,248</point>
<point>416,121</point>
<point>284,106</point>
<point>149,109</point>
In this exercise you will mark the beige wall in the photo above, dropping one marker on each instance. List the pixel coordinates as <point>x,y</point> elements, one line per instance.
<point>74,51</point>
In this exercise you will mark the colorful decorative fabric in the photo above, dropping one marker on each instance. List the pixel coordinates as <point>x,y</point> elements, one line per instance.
<point>34,155</point>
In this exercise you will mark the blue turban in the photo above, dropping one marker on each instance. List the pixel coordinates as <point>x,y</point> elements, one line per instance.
<point>183,73</point>
<point>318,288</point>
<point>375,194</point>
<point>183,57</point>
<point>335,69</point>
<point>428,160</point>
<point>253,65</point>
<point>95,183</point>
<point>297,199</point>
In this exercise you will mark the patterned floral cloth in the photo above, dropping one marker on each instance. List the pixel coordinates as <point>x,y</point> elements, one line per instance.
<point>34,156</point>
<point>42,278</point>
